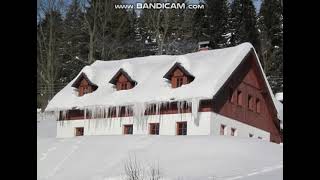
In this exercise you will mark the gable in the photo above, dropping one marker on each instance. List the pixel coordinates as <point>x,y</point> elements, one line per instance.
<point>82,79</point>
<point>178,70</point>
<point>256,108</point>
<point>122,76</point>
<point>84,82</point>
<point>251,78</point>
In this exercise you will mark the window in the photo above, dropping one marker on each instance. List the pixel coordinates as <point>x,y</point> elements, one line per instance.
<point>154,128</point>
<point>239,98</point>
<point>250,102</point>
<point>128,129</point>
<point>75,114</point>
<point>250,135</point>
<point>179,81</point>
<point>181,128</point>
<point>259,137</point>
<point>222,129</point>
<point>258,106</point>
<point>79,131</point>
<point>123,86</point>
<point>86,89</point>
<point>178,75</point>
<point>231,95</point>
<point>233,132</point>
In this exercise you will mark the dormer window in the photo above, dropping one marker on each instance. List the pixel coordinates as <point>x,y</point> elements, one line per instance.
<point>179,81</point>
<point>178,76</point>
<point>123,86</point>
<point>122,80</point>
<point>84,85</point>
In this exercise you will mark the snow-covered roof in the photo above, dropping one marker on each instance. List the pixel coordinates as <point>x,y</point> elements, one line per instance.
<point>279,96</point>
<point>151,86</point>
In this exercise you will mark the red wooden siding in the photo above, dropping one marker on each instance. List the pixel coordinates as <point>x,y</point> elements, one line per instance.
<point>248,80</point>
<point>123,83</point>
<point>75,114</point>
<point>205,106</point>
<point>84,87</point>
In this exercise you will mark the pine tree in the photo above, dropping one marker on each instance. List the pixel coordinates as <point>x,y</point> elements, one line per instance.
<point>271,26</point>
<point>200,25</point>
<point>179,39</point>
<point>49,49</point>
<point>113,31</point>
<point>75,42</point>
<point>218,14</point>
<point>243,23</point>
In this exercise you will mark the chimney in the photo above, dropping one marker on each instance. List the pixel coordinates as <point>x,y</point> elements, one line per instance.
<point>203,46</point>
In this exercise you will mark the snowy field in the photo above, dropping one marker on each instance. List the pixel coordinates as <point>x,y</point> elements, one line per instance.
<point>178,157</point>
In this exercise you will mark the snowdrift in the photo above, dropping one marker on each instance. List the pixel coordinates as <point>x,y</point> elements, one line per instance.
<point>178,157</point>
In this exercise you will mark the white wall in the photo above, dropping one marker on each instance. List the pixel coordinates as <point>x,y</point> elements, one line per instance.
<point>114,126</point>
<point>242,130</point>
<point>208,123</point>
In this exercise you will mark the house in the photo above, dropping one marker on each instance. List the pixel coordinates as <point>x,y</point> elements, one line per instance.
<point>213,92</point>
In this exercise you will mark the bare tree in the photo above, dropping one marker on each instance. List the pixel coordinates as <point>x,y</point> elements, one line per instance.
<point>158,22</point>
<point>91,9</point>
<point>133,169</point>
<point>48,44</point>
<point>154,172</point>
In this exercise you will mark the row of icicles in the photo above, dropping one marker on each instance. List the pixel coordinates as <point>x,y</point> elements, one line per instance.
<point>137,111</point>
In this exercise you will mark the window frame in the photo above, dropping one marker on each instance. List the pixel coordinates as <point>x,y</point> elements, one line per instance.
<point>239,98</point>
<point>233,132</point>
<point>154,128</point>
<point>223,129</point>
<point>179,82</point>
<point>250,102</point>
<point>79,129</point>
<point>125,129</point>
<point>182,131</point>
<point>231,95</point>
<point>258,105</point>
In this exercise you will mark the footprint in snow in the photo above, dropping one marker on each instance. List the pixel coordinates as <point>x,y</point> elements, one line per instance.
<point>253,173</point>
<point>43,157</point>
<point>267,169</point>
<point>234,178</point>
<point>52,149</point>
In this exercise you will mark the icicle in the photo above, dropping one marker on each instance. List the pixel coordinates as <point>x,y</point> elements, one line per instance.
<point>195,107</point>
<point>157,108</point>
<point>117,111</point>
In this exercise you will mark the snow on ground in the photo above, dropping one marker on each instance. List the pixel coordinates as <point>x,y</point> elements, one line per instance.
<point>179,157</point>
